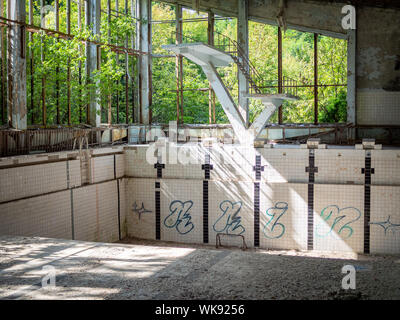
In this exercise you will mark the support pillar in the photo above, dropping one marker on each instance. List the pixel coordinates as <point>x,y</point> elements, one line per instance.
<point>3,71</point>
<point>92,11</point>
<point>315,78</point>
<point>280,73</point>
<point>243,41</point>
<point>144,61</point>
<point>352,82</point>
<point>211,93</point>
<point>17,109</point>
<point>179,65</point>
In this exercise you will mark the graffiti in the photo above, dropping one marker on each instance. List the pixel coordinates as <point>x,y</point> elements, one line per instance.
<point>179,217</point>
<point>229,222</point>
<point>387,225</point>
<point>273,229</point>
<point>140,210</point>
<point>339,220</point>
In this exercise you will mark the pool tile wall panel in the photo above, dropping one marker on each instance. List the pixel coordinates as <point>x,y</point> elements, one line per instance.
<point>339,218</point>
<point>120,165</point>
<point>386,164</point>
<point>140,208</point>
<point>339,166</point>
<point>181,210</point>
<point>385,219</point>
<point>74,168</point>
<point>283,216</point>
<point>231,212</point>
<point>123,210</point>
<point>31,180</point>
<point>96,212</point>
<point>183,161</point>
<point>232,163</point>
<point>46,209</point>
<point>102,168</point>
<point>136,164</point>
<point>284,165</point>
<point>40,216</point>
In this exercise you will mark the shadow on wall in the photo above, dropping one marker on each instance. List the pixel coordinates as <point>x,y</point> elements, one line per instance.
<point>295,212</point>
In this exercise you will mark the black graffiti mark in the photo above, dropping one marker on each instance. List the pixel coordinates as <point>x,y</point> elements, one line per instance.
<point>140,210</point>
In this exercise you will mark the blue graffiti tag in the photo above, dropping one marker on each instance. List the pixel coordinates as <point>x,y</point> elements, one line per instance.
<point>335,218</point>
<point>229,221</point>
<point>387,225</point>
<point>179,217</point>
<point>275,230</point>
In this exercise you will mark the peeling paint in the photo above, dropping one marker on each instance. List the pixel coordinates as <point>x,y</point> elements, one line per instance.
<point>369,63</point>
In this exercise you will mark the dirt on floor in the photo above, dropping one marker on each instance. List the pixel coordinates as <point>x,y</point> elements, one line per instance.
<point>141,269</point>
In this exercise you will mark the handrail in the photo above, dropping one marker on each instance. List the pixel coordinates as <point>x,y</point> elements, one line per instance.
<point>233,48</point>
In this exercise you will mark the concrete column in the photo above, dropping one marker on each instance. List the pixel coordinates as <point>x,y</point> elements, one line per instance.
<point>143,38</point>
<point>351,80</point>
<point>17,108</point>
<point>211,94</point>
<point>92,19</point>
<point>243,41</point>
<point>179,65</point>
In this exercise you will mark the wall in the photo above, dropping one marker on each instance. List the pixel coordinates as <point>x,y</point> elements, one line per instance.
<point>285,197</point>
<point>64,195</point>
<point>378,66</point>
<point>336,210</point>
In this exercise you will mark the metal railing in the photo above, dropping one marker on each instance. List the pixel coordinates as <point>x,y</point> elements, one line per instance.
<point>15,142</point>
<point>257,83</point>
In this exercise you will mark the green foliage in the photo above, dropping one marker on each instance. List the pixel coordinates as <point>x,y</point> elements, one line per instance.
<point>52,57</point>
<point>59,55</point>
<point>334,110</point>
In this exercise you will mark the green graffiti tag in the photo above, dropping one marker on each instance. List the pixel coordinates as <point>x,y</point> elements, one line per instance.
<point>339,220</point>
<point>272,228</point>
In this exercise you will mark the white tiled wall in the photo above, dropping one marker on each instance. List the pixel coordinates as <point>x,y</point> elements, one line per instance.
<point>339,166</point>
<point>140,208</point>
<point>102,168</point>
<point>283,216</point>
<point>45,216</point>
<point>232,163</point>
<point>338,198</point>
<point>96,212</point>
<point>136,164</point>
<point>26,181</point>
<point>284,165</point>
<point>190,157</point>
<point>181,210</point>
<point>339,218</point>
<point>386,164</point>
<point>385,219</point>
<point>123,208</point>
<point>231,211</point>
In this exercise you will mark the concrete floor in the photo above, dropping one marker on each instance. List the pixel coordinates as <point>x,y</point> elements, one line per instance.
<point>137,269</point>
